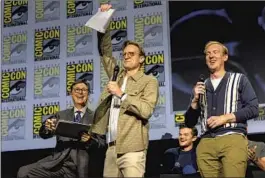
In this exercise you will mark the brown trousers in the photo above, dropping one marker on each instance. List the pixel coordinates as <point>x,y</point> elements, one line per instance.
<point>223,156</point>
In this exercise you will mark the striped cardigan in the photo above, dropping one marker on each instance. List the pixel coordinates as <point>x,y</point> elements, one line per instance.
<point>234,94</point>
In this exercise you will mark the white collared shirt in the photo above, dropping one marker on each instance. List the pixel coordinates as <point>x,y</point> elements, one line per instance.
<point>83,110</point>
<point>114,114</point>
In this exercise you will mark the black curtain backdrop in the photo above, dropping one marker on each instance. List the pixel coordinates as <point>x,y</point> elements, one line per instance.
<point>236,24</point>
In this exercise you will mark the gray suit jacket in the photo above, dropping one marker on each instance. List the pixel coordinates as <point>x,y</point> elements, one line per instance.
<point>67,147</point>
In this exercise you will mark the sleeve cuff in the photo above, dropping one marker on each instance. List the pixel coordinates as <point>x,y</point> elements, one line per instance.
<point>104,1</point>
<point>123,96</point>
<point>239,117</point>
<point>194,111</point>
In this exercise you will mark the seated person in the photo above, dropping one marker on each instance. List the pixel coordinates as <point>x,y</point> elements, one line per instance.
<point>70,158</point>
<point>256,154</point>
<point>182,160</point>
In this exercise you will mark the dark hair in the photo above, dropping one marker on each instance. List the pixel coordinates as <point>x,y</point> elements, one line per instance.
<point>84,81</point>
<point>194,130</point>
<point>129,42</point>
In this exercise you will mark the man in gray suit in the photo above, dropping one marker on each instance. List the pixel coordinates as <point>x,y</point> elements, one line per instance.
<point>70,159</point>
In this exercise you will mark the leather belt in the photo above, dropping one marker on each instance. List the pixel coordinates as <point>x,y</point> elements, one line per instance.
<point>113,143</point>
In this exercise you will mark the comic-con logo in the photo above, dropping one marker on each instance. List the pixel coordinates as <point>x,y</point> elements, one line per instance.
<point>77,8</point>
<point>119,5</point>
<point>69,104</point>
<point>47,44</point>
<point>104,79</point>
<point>47,10</point>
<point>15,12</point>
<point>41,112</point>
<point>179,118</point>
<point>79,40</point>
<point>14,48</point>
<point>13,86</point>
<point>47,81</point>
<point>13,122</point>
<point>158,119</point>
<point>148,29</point>
<point>145,3</point>
<point>261,116</point>
<point>79,70</point>
<point>154,64</point>
<point>118,27</point>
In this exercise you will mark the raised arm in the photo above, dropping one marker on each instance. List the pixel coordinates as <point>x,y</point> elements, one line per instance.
<point>105,47</point>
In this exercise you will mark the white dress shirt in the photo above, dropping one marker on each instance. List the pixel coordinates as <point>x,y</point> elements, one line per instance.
<point>114,114</point>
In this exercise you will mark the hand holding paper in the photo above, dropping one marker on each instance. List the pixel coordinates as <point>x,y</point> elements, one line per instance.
<point>105,7</point>
<point>101,19</point>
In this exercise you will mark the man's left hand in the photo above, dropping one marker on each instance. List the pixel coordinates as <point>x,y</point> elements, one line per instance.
<point>114,88</point>
<point>215,121</point>
<point>85,137</point>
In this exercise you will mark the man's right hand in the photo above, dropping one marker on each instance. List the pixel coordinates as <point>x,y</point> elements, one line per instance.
<point>198,89</point>
<point>50,124</point>
<point>252,154</point>
<point>105,7</point>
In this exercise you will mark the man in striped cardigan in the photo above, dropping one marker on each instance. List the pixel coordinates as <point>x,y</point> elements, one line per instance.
<point>224,102</point>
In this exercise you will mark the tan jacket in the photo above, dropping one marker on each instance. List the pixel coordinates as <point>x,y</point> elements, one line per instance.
<point>142,95</point>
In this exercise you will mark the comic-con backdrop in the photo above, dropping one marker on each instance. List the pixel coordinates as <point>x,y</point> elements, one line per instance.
<point>45,47</point>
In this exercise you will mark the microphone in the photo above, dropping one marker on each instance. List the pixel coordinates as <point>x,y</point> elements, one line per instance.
<point>201,79</point>
<point>115,73</point>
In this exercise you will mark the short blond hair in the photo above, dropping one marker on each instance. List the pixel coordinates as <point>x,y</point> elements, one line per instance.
<point>225,50</point>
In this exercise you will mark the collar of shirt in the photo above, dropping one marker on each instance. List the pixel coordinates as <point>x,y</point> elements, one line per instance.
<point>135,77</point>
<point>83,110</point>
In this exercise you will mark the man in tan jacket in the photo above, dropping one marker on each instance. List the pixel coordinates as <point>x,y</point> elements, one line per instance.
<point>125,107</point>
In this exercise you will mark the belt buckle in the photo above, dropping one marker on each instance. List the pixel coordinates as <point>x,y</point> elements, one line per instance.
<point>213,135</point>
<point>112,143</point>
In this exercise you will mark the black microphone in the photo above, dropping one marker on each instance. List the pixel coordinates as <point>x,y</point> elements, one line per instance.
<point>201,79</point>
<point>115,73</point>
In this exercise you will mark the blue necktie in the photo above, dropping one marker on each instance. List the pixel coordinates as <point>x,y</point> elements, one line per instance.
<point>78,116</point>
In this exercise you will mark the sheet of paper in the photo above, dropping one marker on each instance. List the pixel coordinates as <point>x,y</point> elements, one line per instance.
<point>100,20</point>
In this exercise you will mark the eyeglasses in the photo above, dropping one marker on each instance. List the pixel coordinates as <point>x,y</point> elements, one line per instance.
<point>79,90</point>
<point>130,54</point>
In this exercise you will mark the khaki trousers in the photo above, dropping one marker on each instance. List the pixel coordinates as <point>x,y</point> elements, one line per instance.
<point>130,164</point>
<point>223,156</point>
